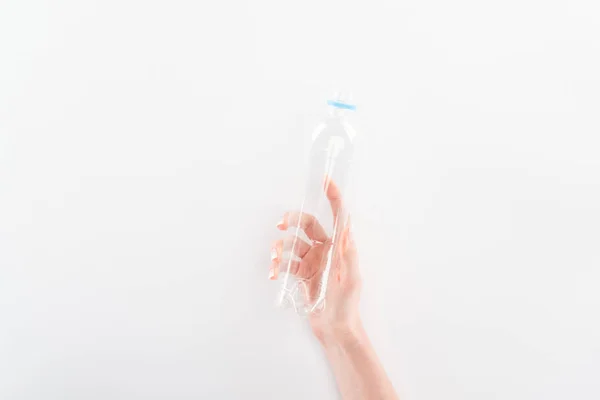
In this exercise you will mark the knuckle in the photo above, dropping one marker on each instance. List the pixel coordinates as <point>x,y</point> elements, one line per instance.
<point>308,219</point>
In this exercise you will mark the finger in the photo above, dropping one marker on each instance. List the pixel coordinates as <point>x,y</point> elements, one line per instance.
<point>282,256</point>
<point>334,196</point>
<point>296,246</point>
<point>283,265</point>
<point>290,244</point>
<point>308,223</point>
<point>346,239</point>
<point>315,261</point>
<point>273,270</point>
<point>304,269</point>
<point>291,266</point>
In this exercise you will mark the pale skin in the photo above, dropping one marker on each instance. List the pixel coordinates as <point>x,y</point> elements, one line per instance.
<point>338,327</point>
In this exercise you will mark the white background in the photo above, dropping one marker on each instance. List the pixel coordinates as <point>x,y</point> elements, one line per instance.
<point>147,150</point>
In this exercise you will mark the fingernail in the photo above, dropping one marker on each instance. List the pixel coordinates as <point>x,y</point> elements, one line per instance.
<point>273,270</point>
<point>281,224</point>
<point>274,254</point>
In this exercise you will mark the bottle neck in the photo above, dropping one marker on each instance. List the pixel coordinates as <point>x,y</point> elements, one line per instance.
<point>335,112</point>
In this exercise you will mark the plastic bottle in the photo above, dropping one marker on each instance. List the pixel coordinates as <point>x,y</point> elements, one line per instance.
<point>305,279</point>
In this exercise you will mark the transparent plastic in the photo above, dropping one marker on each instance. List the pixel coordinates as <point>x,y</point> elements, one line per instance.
<point>316,228</point>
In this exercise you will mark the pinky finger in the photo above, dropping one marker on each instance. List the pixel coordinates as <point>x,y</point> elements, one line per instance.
<point>290,266</point>
<point>274,270</point>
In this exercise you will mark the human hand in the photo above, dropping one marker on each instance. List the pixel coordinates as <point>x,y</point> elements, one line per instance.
<point>357,369</point>
<point>340,316</point>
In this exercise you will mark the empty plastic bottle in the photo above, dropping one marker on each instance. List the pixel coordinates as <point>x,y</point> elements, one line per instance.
<point>317,227</point>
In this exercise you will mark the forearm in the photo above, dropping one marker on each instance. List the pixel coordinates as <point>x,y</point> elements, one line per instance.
<point>357,369</point>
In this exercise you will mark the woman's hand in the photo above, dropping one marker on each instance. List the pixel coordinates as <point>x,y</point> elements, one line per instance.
<point>357,369</point>
<point>340,316</point>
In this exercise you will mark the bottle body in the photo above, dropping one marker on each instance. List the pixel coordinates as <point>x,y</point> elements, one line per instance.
<point>317,227</point>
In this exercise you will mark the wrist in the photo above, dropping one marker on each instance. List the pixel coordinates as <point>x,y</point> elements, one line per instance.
<point>351,333</point>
